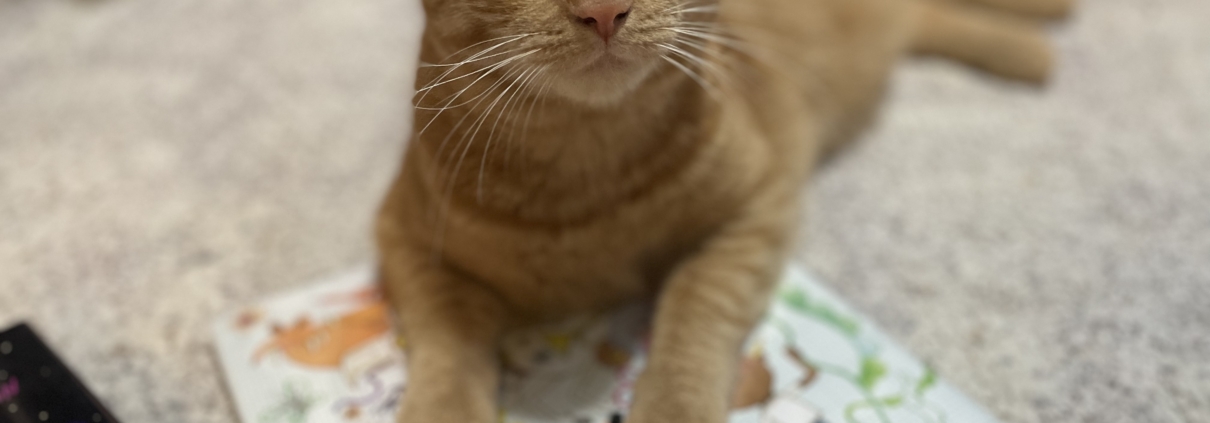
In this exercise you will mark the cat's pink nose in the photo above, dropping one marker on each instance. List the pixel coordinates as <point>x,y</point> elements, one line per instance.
<point>604,16</point>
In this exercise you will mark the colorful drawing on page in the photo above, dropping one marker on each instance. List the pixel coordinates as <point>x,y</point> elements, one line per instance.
<point>327,354</point>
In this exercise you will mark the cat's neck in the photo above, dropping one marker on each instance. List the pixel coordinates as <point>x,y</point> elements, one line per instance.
<point>547,158</point>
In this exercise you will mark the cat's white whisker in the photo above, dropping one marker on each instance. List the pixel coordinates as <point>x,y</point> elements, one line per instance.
<point>483,97</point>
<point>469,137</point>
<point>491,135</point>
<point>722,34</point>
<point>773,61</point>
<point>736,68</point>
<point>702,47</point>
<point>472,84</point>
<point>529,115</point>
<point>435,116</point>
<point>508,109</point>
<point>473,58</point>
<point>449,106</point>
<point>707,30</point>
<point>453,173</point>
<point>699,9</point>
<point>469,60</point>
<point>702,63</point>
<point>534,101</point>
<point>493,67</point>
<point>715,36</point>
<point>439,80</point>
<point>688,5</point>
<point>514,36</point>
<point>711,25</point>
<point>693,75</point>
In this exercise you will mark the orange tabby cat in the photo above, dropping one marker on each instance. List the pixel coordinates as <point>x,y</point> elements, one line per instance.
<point>573,155</point>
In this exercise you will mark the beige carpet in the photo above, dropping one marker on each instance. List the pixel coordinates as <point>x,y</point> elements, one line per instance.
<point>161,161</point>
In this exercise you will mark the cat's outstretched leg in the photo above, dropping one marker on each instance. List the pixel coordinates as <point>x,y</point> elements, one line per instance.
<point>451,329</point>
<point>706,310</point>
<point>1042,9</point>
<point>1000,45</point>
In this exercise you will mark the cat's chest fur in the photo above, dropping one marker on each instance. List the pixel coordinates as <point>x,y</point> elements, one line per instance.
<point>620,246</point>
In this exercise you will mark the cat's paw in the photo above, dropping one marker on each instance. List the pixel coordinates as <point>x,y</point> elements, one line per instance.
<point>657,400</point>
<point>444,410</point>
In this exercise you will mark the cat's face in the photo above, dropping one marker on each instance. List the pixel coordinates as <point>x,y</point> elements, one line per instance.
<point>590,51</point>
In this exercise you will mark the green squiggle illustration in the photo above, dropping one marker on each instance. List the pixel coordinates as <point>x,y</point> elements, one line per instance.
<point>872,371</point>
<point>293,406</point>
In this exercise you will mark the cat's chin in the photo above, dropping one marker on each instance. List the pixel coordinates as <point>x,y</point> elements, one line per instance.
<point>602,84</point>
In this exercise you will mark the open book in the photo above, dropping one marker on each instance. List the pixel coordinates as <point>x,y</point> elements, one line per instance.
<point>327,353</point>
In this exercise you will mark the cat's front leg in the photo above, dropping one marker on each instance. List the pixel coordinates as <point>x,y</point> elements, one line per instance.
<point>706,310</point>
<point>450,328</point>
